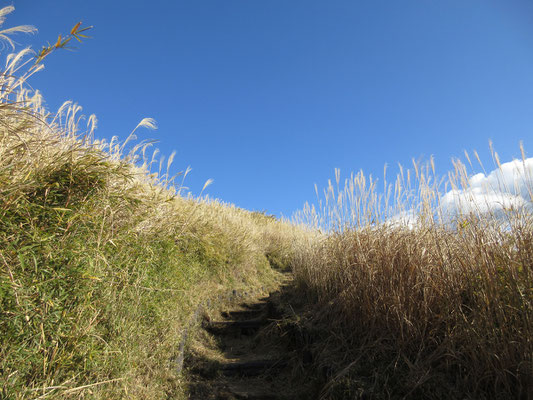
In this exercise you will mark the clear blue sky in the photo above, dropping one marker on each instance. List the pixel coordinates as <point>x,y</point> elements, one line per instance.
<point>268,97</point>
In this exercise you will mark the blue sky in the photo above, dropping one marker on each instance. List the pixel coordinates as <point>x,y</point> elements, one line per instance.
<point>268,97</point>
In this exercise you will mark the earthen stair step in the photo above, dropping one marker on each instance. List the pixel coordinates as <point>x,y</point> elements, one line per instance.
<point>243,314</point>
<point>252,367</point>
<point>255,306</point>
<point>245,326</point>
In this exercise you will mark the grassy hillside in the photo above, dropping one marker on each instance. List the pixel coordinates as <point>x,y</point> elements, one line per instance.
<point>102,261</point>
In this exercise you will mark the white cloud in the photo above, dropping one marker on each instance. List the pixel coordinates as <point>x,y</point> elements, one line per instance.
<point>505,191</point>
<point>408,219</point>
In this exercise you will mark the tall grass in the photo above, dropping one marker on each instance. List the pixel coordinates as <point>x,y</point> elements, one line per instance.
<point>425,300</point>
<point>102,256</point>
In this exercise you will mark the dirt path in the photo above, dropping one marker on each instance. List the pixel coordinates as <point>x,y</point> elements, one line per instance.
<point>244,354</point>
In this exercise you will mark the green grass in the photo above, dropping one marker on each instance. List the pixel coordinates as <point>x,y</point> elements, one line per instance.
<point>95,287</point>
<point>92,291</point>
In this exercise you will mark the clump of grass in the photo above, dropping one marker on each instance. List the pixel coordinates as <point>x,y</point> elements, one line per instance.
<point>103,260</point>
<point>421,303</point>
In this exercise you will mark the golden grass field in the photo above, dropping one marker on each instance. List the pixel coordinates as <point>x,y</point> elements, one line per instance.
<point>426,309</point>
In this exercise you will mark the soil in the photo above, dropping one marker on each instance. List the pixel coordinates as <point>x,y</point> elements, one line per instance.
<point>245,353</point>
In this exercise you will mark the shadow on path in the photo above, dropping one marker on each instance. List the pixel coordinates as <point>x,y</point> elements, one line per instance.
<point>246,354</point>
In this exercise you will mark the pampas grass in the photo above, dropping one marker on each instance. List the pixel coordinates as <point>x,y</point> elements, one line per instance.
<point>437,304</point>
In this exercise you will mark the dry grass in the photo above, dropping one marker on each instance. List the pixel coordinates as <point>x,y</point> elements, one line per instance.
<point>430,306</point>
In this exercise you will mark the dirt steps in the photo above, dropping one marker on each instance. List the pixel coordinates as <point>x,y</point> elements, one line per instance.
<point>253,367</point>
<point>242,314</point>
<point>245,327</point>
<point>248,358</point>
